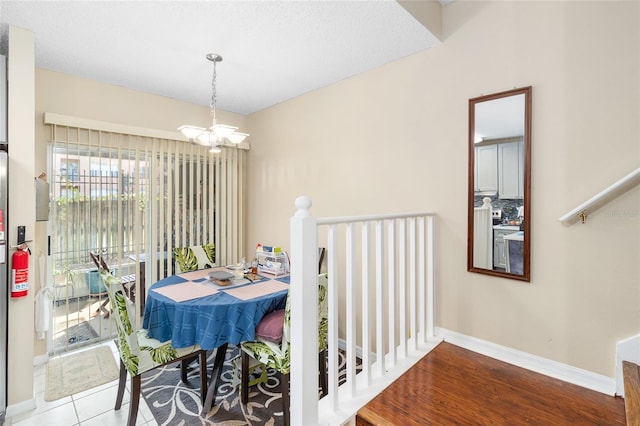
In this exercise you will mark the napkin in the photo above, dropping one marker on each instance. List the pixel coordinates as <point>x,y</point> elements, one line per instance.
<point>185,291</point>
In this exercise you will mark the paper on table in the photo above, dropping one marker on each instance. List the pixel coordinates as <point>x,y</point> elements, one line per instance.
<point>200,273</point>
<point>185,291</point>
<point>256,290</point>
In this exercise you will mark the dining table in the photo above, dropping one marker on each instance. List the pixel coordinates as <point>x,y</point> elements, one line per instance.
<point>192,308</point>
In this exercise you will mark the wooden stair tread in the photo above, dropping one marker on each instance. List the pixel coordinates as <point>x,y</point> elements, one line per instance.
<point>455,386</point>
<point>368,417</point>
<point>631,375</point>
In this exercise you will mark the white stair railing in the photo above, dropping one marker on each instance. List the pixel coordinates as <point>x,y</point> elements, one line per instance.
<point>381,307</point>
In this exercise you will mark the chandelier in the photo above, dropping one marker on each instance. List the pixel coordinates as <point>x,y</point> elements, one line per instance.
<point>217,134</point>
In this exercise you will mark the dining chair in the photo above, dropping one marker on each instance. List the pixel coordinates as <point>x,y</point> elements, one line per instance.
<point>128,282</point>
<point>140,353</point>
<point>321,263</point>
<point>271,347</point>
<point>194,257</point>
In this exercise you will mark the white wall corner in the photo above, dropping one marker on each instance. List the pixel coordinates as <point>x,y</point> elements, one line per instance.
<point>21,197</point>
<point>626,350</point>
<point>557,370</point>
<point>428,13</point>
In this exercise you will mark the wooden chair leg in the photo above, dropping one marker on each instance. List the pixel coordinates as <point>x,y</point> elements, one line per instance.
<point>284,388</point>
<point>184,368</point>
<point>121,385</point>
<point>130,288</point>
<point>244,378</point>
<point>103,308</point>
<point>135,400</point>
<point>203,376</point>
<point>322,367</point>
<point>216,373</point>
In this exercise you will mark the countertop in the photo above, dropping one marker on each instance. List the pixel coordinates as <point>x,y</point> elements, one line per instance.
<point>507,227</point>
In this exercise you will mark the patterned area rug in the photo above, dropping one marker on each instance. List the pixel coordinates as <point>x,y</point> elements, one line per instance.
<point>174,403</point>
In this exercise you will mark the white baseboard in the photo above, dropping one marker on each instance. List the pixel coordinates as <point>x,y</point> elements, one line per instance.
<point>29,404</point>
<point>557,370</point>
<point>21,407</point>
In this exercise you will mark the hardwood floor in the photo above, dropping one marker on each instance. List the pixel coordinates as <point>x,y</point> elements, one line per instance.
<point>454,386</point>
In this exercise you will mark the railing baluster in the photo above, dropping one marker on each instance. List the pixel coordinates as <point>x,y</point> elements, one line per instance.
<point>421,280</point>
<point>380,351</point>
<point>351,311</point>
<point>430,277</point>
<point>366,302</point>
<point>412,284</point>
<point>402,286</point>
<point>391,291</point>
<point>332,244</point>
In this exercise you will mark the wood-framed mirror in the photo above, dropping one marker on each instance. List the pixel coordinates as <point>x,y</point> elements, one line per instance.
<point>499,215</point>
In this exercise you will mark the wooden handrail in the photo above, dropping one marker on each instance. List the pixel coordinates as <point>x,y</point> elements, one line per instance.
<point>603,196</point>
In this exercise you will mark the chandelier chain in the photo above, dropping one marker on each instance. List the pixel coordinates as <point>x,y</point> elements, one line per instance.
<point>212,102</point>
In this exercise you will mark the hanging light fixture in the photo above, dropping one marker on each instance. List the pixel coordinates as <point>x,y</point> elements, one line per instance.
<point>217,134</point>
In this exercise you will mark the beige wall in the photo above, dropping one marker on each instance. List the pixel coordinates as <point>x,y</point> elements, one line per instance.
<point>65,94</point>
<point>394,139</point>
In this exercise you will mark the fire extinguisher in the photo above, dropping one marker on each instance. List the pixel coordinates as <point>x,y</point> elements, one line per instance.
<point>20,271</point>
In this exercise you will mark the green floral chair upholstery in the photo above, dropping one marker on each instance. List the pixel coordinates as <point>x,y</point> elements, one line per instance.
<point>276,354</point>
<point>194,257</point>
<point>139,353</point>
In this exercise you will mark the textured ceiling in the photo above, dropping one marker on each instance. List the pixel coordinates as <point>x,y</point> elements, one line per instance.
<point>272,50</point>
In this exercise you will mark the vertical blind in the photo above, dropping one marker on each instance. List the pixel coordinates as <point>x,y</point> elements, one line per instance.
<point>136,197</point>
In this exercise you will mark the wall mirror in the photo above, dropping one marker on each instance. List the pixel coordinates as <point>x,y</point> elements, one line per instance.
<point>499,216</point>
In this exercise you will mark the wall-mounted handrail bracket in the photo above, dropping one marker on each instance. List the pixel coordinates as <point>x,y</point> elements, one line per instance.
<point>583,216</point>
<point>603,196</point>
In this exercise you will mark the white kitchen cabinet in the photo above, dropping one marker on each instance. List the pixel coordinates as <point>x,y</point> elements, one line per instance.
<point>486,169</point>
<point>511,170</point>
<point>513,248</point>
<point>499,248</point>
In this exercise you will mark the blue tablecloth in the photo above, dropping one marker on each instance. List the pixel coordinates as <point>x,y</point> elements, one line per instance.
<point>208,321</point>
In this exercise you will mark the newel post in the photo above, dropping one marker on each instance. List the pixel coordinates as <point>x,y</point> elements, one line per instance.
<point>303,295</point>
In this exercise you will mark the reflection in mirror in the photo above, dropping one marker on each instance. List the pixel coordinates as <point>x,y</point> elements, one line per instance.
<point>499,218</point>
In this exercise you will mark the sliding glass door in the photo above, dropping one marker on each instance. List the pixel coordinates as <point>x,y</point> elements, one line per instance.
<point>131,199</point>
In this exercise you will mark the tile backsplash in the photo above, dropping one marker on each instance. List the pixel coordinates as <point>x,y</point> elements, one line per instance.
<point>509,207</point>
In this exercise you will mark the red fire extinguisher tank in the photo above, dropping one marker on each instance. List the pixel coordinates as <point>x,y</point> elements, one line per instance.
<point>20,272</point>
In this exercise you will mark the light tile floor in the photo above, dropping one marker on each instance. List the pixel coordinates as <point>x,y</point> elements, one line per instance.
<point>91,407</point>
